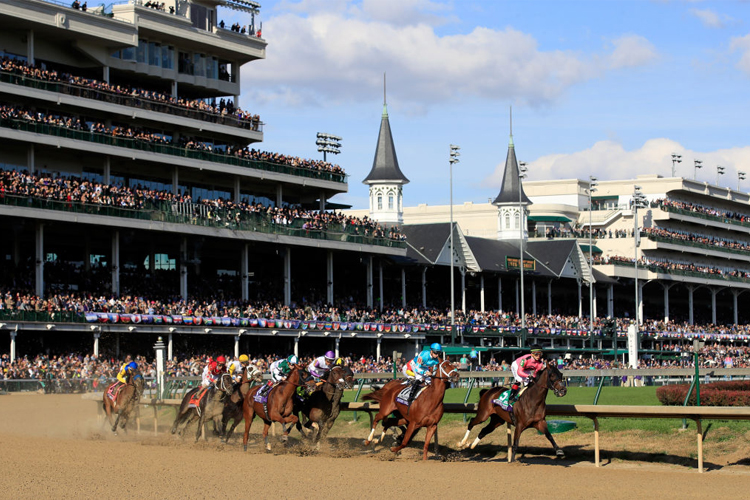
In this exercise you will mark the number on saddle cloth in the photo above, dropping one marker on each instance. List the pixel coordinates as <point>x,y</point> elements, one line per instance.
<point>114,390</point>
<point>403,396</point>
<point>195,399</point>
<point>503,401</point>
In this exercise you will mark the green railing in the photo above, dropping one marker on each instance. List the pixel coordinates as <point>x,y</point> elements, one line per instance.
<point>680,272</point>
<point>684,243</point>
<point>130,101</point>
<point>698,215</point>
<point>42,316</point>
<point>224,219</point>
<point>167,149</point>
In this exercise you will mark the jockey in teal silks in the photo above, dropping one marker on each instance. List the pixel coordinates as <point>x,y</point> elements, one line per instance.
<point>419,368</point>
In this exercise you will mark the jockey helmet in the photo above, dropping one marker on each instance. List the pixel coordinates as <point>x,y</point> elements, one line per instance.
<point>339,362</point>
<point>132,366</point>
<point>221,360</point>
<point>535,348</point>
<point>330,355</point>
<point>436,347</point>
<point>292,359</point>
<point>244,358</point>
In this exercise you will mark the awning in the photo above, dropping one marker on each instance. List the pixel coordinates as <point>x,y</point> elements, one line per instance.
<point>585,248</point>
<point>600,198</point>
<point>458,349</point>
<point>548,218</point>
<point>613,353</point>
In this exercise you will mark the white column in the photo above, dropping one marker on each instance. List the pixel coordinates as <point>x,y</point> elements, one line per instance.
<point>107,167</point>
<point>31,158</point>
<point>236,346</point>
<point>666,302</point>
<point>481,292</point>
<point>105,73</point>
<point>96,344</point>
<point>377,349</point>
<point>279,191</point>
<point>640,301</point>
<point>39,266</point>
<point>518,303</point>
<point>237,189</point>
<point>533,297</point>
<point>183,269</point>
<point>580,300</point>
<point>244,278</point>
<point>714,292</point>
<point>296,346</point>
<point>159,348</point>
<point>499,293</point>
<point>690,304</point>
<point>611,301</point>
<point>329,277</point>
<point>424,287</point>
<point>30,56</point>
<point>380,282</point>
<point>403,288</point>
<point>417,347</point>
<point>169,346</point>
<point>13,345</point>
<point>336,348</point>
<point>549,297</point>
<point>369,284</point>
<point>174,88</point>
<point>287,276</point>
<point>593,291</point>
<point>463,290</point>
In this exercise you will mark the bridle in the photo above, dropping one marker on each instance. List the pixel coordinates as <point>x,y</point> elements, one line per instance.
<point>447,375</point>
<point>223,387</point>
<point>551,384</point>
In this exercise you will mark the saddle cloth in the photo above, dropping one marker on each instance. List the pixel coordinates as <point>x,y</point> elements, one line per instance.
<point>195,399</point>
<point>502,399</point>
<point>403,396</point>
<point>114,390</point>
<point>262,395</point>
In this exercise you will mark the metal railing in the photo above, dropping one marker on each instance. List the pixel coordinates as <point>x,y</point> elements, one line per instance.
<point>698,215</point>
<point>679,272</point>
<point>695,244</point>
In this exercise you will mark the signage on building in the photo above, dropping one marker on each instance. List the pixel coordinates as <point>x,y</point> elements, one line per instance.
<point>511,264</point>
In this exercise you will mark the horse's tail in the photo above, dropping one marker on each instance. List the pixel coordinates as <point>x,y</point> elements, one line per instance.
<point>374,396</point>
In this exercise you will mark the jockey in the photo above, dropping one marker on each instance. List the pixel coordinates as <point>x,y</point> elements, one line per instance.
<point>418,369</point>
<point>524,369</point>
<point>213,370</point>
<point>127,368</point>
<point>280,370</point>
<point>238,366</point>
<point>320,366</point>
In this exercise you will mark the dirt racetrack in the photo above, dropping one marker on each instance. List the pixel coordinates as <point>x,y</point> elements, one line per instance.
<point>54,446</point>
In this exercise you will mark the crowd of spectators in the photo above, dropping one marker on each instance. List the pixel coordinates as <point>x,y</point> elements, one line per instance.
<point>140,96</point>
<point>672,266</point>
<point>244,30</point>
<point>684,236</point>
<point>579,232</point>
<point>10,112</point>
<point>701,209</point>
<point>76,190</point>
<point>79,6</point>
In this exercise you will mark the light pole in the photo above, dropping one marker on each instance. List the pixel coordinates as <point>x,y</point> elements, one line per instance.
<point>698,164</point>
<point>675,159</point>
<point>328,143</point>
<point>639,200</point>
<point>453,158</point>
<point>592,188</point>
<point>719,171</point>
<point>521,175</point>
<point>740,177</point>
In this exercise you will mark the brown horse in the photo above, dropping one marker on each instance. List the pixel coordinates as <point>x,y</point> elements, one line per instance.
<point>530,409</point>
<point>210,406</point>
<point>322,407</point>
<point>278,407</point>
<point>233,404</point>
<point>126,401</point>
<point>425,411</point>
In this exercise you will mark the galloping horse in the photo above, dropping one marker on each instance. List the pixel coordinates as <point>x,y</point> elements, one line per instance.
<point>126,400</point>
<point>208,407</point>
<point>278,407</point>
<point>425,411</point>
<point>530,409</point>
<point>233,404</point>
<point>322,408</point>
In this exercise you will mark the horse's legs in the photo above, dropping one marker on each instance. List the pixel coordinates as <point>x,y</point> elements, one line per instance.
<point>201,423</point>
<point>249,416</point>
<point>407,437</point>
<point>516,438</point>
<point>266,425</point>
<point>375,423</point>
<point>428,437</point>
<point>437,446</point>
<point>494,423</point>
<point>541,426</point>
<point>483,414</point>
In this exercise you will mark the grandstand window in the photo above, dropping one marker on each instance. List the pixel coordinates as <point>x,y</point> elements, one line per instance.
<point>390,202</point>
<point>127,54</point>
<point>140,52</point>
<point>167,57</point>
<point>154,54</point>
<point>162,262</point>
<point>212,68</point>
<point>199,16</point>
<point>507,220</point>
<point>185,64</point>
<point>51,257</point>
<point>380,202</point>
<point>115,54</point>
<point>199,64</point>
<point>515,220</point>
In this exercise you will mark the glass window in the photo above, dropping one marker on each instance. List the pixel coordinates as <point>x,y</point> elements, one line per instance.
<point>154,54</point>
<point>127,54</point>
<point>380,202</point>
<point>390,202</point>
<point>212,68</point>
<point>515,219</point>
<point>199,65</point>
<point>140,52</point>
<point>185,64</point>
<point>507,221</point>
<point>115,54</point>
<point>167,56</point>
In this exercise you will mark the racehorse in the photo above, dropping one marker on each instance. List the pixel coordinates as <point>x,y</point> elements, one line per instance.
<point>233,404</point>
<point>530,409</point>
<point>209,406</point>
<point>278,406</point>
<point>322,407</point>
<point>126,400</point>
<point>425,411</point>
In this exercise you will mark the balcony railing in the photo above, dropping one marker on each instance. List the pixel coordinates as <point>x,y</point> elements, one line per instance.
<point>130,101</point>
<point>679,272</point>
<point>698,215</point>
<point>168,149</point>
<point>695,244</point>
<point>226,219</point>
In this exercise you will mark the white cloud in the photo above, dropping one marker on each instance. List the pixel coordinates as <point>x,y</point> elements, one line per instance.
<point>711,19</point>
<point>609,160</point>
<point>631,51</point>
<point>341,54</point>
<point>742,44</point>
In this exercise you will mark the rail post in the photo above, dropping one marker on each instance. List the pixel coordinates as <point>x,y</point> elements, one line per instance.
<point>468,393</point>
<point>356,396</point>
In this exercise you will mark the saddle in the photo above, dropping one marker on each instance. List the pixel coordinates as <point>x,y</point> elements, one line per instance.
<point>403,396</point>
<point>114,391</point>
<point>502,399</point>
<point>195,399</point>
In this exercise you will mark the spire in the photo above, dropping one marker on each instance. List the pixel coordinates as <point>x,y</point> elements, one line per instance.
<point>385,165</point>
<point>511,185</point>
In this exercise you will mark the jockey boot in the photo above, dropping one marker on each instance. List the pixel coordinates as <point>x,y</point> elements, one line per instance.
<point>413,391</point>
<point>513,394</point>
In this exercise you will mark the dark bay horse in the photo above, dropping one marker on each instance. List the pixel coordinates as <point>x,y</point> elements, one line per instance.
<point>233,404</point>
<point>323,406</point>
<point>278,407</point>
<point>126,401</point>
<point>530,409</point>
<point>211,405</point>
<point>425,411</point>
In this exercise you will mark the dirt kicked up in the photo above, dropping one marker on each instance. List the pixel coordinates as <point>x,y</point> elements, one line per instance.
<point>56,447</point>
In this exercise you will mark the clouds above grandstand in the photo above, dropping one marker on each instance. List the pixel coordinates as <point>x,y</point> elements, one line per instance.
<point>597,88</point>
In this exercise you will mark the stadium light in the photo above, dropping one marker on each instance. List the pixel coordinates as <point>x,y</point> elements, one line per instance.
<point>521,175</point>
<point>719,171</point>
<point>592,189</point>
<point>453,154</point>
<point>698,164</point>
<point>639,201</point>
<point>740,177</point>
<point>328,143</point>
<point>675,160</point>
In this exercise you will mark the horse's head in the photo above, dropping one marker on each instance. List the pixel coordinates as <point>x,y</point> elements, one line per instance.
<point>225,384</point>
<point>446,370</point>
<point>138,382</point>
<point>556,380</point>
<point>341,377</point>
<point>254,373</point>
<point>302,379</point>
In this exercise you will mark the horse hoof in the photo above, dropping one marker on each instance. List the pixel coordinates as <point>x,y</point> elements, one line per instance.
<point>367,443</point>
<point>244,448</point>
<point>560,454</point>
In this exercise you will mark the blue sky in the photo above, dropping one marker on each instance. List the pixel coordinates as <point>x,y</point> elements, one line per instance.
<point>606,88</point>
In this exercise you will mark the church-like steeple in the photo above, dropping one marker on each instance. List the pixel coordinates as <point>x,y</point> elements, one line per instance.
<point>386,180</point>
